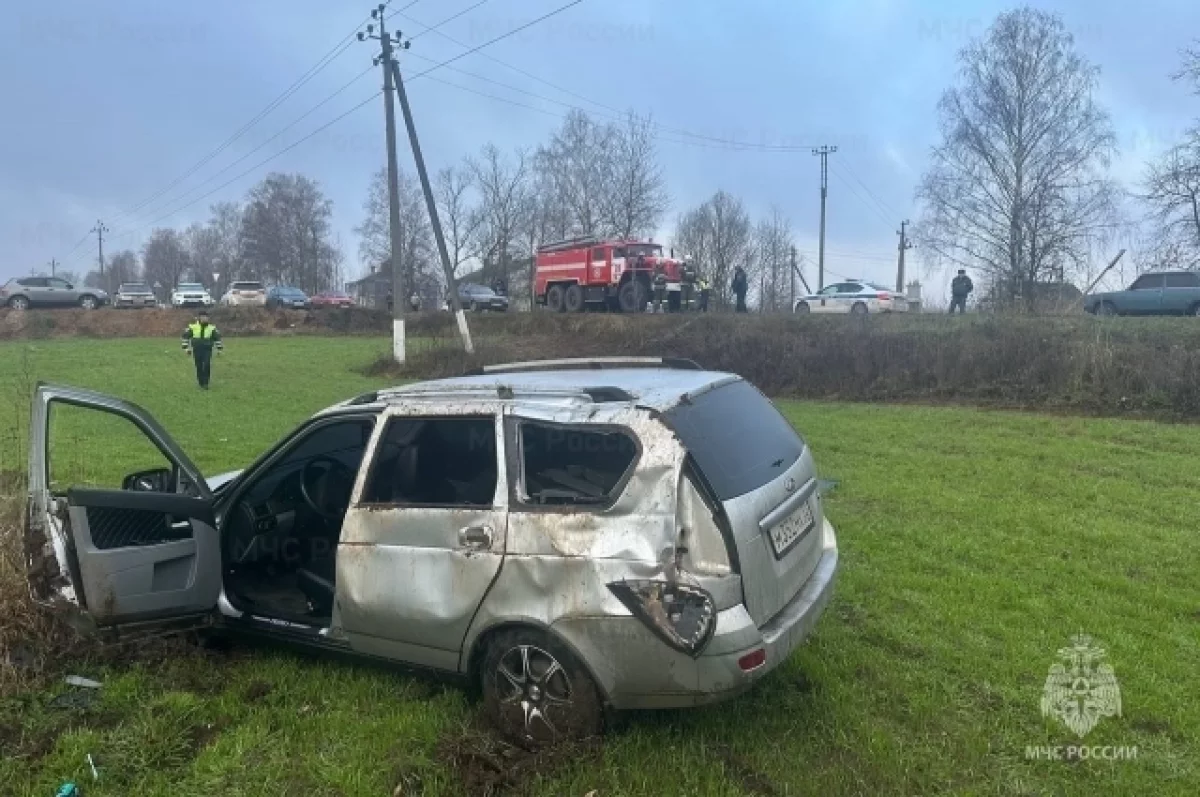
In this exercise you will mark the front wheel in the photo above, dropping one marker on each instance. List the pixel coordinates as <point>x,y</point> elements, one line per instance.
<point>18,303</point>
<point>554,299</point>
<point>536,693</point>
<point>1195,309</point>
<point>87,302</point>
<point>1108,309</point>
<point>802,308</point>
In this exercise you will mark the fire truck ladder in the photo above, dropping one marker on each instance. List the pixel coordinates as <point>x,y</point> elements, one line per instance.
<point>570,243</point>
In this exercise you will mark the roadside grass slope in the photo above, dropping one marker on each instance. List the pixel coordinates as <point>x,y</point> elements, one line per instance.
<point>974,542</point>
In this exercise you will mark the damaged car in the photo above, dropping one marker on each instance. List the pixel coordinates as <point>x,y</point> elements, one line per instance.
<point>570,536</point>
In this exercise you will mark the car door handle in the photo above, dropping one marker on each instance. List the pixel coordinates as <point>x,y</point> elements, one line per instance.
<point>477,538</point>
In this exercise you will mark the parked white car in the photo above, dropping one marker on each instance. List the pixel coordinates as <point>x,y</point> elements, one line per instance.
<point>857,297</point>
<point>245,294</point>
<point>191,294</point>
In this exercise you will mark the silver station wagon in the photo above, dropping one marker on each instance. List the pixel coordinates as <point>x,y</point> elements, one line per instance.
<point>569,536</point>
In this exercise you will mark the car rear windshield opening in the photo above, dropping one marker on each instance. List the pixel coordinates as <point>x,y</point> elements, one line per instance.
<point>738,439</point>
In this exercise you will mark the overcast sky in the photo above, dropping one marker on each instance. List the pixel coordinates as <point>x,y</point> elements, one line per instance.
<point>106,104</point>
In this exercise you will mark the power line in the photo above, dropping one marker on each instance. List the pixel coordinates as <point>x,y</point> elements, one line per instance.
<point>731,143</point>
<point>434,28</point>
<point>888,212</point>
<point>706,145</point>
<point>850,187</point>
<point>351,110</point>
<point>501,37</point>
<point>291,90</point>
<point>78,244</point>
<point>286,128</point>
<point>267,160</point>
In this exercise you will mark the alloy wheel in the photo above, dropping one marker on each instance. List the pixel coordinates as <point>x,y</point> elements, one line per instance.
<point>534,692</point>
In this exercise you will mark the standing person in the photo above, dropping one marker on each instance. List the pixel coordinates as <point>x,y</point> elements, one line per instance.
<point>702,284</point>
<point>740,286</point>
<point>688,288</point>
<point>414,302</point>
<point>960,288</point>
<point>660,287</point>
<point>199,339</point>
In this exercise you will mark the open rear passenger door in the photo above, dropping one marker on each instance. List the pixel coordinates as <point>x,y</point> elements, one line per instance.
<point>140,558</point>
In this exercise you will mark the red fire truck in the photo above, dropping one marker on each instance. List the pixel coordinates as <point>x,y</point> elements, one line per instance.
<point>591,273</point>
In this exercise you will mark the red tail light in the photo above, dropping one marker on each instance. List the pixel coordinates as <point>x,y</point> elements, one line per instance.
<point>752,661</point>
<point>883,297</point>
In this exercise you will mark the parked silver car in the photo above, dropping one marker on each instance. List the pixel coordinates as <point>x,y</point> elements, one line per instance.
<point>571,536</point>
<point>25,292</point>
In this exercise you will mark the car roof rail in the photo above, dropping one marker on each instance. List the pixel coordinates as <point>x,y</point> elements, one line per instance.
<point>586,363</point>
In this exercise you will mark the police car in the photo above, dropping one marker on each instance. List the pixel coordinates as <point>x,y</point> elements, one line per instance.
<point>857,297</point>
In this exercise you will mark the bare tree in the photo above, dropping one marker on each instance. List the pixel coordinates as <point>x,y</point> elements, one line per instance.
<point>634,196</point>
<point>577,166</point>
<point>203,249</point>
<point>503,185</point>
<point>460,220</point>
<point>165,258</point>
<point>1172,190</point>
<point>286,233</point>
<point>773,244</point>
<point>718,237</point>
<point>225,225</point>
<point>418,266</point>
<point>1018,187</point>
<point>121,266</point>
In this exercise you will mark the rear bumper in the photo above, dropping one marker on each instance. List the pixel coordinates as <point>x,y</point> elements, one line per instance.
<point>636,671</point>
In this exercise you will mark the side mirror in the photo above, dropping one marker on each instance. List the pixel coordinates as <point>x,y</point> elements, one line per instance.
<point>158,480</point>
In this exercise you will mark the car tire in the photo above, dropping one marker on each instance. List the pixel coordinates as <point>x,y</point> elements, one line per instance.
<point>88,302</point>
<point>18,303</point>
<point>554,299</point>
<point>858,309</point>
<point>475,306</point>
<point>536,692</point>
<point>632,297</point>
<point>1195,309</point>
<point>802,308</point>
<point>1108,309</point>
<point>573,299</point>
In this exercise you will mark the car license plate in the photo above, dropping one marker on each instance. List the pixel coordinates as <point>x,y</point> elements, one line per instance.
<point>787,534</point>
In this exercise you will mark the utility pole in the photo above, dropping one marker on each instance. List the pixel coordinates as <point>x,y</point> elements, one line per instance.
<point>792,282</point>
<point>431,205</point>
<point>905,245</point>
<point>400,291</point>
<point>100,229</point>
<point>53,266</point>
<point>399,296</point>
<point>824,152</point>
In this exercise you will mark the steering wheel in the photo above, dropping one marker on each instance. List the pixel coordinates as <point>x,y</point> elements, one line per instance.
<point>324,467</point>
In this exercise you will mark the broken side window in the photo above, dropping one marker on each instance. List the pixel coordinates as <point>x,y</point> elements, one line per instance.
<point>569,465</point>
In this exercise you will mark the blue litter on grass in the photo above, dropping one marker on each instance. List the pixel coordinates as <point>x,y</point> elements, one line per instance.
<point>826,486</point>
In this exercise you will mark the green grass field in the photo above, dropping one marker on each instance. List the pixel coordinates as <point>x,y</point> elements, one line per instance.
<point>974,545</point>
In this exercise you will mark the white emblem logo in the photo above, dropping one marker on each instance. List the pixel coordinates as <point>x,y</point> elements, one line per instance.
<point>1081,688</point>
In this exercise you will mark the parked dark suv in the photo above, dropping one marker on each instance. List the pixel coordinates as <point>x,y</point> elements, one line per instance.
<point>25,292</point>
<point>1159,293</point>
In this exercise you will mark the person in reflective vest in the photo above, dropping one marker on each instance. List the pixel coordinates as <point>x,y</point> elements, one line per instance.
<point>199,339</point>
<point>702,285</point>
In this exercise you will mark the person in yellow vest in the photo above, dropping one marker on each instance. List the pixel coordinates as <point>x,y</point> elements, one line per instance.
<point>199,339</point>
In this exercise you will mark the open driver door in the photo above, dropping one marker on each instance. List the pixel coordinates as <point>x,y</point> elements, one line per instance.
<point>140,559</point>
